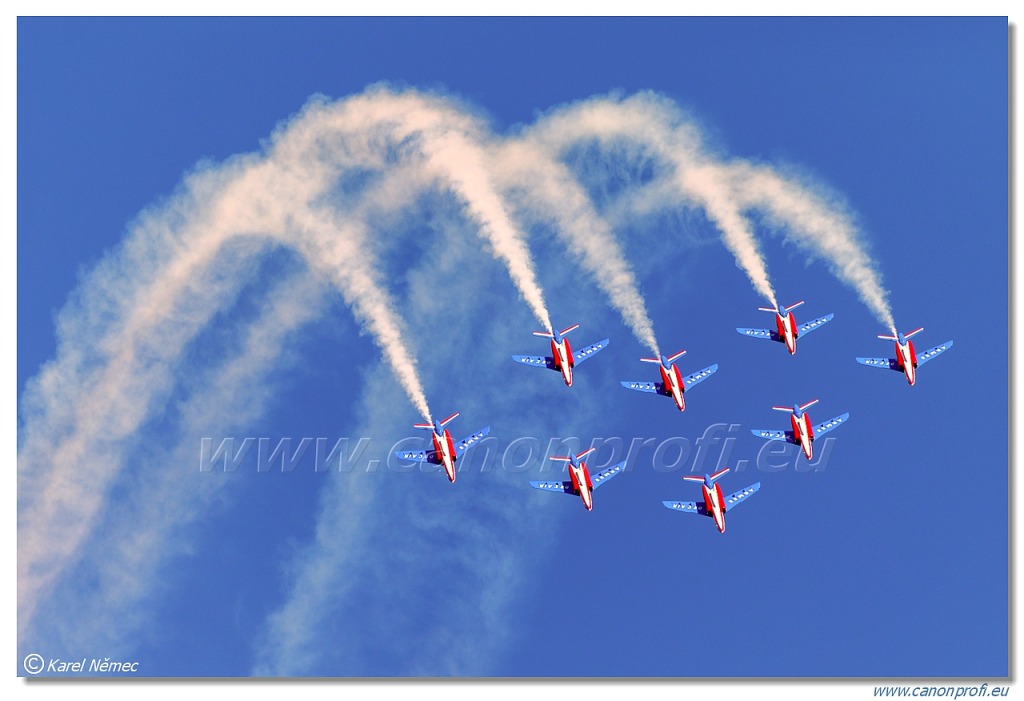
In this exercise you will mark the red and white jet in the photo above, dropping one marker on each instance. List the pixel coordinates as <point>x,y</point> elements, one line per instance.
<point>803,434</point>
<point>672,384</point>
<point>580,482</point>
<point>445,451</point>
<point>907,360</point>
<point>562,357</point>
<point>715,503</point>
<point>786,331</point>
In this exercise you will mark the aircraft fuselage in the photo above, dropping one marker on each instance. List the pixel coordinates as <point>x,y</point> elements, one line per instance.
<point>802,432</point>
<point>906,357</point>
<point>580,476</point>
<point>786,328</point>
<point>673,384</point>
<point>445,452</point>
<point>714,502</point>
<point>562,353</point>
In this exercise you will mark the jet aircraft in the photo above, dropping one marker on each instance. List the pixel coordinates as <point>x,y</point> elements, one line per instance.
<point>562,358</point>
<point>803,434</point>
<point>445,451</point>
<point>907,360</point>
<point>786,331</point>
<point>672,384</point>
<point>580,482</point>
<point>715,504</point>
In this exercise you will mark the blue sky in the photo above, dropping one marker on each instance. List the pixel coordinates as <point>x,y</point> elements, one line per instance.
<point>884,562</point>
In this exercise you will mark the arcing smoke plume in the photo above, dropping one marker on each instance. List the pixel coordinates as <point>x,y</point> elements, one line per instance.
<point>726,190</point>
<point>123,341</point>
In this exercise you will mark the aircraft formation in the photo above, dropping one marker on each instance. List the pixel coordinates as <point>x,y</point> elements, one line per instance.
<point>673,384</point>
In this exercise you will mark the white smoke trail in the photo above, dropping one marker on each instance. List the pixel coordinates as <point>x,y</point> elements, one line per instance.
<point>120,344</point>
<point>122,562</point>
<point>726,190</point>
<point>123,341</point>
<point>656,127</point>
<point>548,187</point>
<point>460,158</point>
<point>817,223</point>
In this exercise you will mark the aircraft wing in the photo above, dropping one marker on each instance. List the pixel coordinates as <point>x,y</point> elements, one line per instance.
<point>554,486</point>
<point>813,325</point>
<point>653,387</point>
<point>467,443</point>
<point>699,376</point>
<point>933,352</point>
<point>760,333</point>
<point>889,363</point>
<point>737,498</point>
<point>830,424</point>
<point>590,351</point>
<point>773,435</point>
<point>687,507</point>
<point>536,361</point>
<point>417,455</point>
<point>605,475</point>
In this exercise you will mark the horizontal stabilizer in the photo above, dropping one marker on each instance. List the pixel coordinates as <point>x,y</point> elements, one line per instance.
<point>673,358</point>
<point>794,306</point>
<point>718,474</point>
<point>650,360</point>
<point>445,422</point>
<point>693,478</point>
<point>805,407</point>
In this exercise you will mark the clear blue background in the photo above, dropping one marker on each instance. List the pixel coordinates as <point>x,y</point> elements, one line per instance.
<point>891,562</point>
